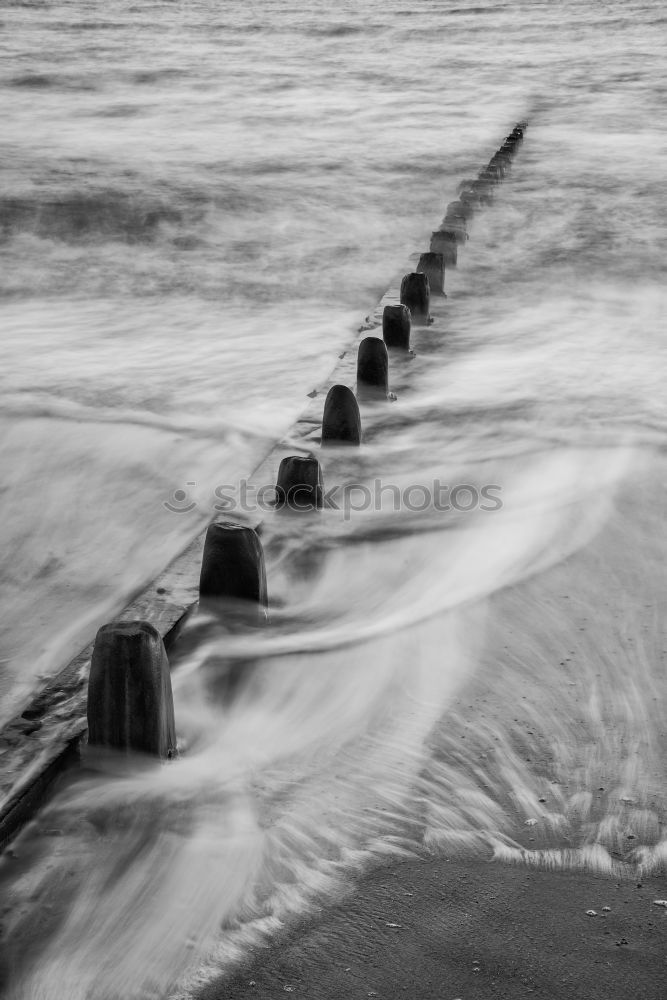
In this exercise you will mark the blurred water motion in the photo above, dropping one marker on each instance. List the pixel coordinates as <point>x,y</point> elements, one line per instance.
<point>199,206</point>
<point>335,749</point>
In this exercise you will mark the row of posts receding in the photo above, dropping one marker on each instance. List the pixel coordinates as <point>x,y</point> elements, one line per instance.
<point>130,702</point>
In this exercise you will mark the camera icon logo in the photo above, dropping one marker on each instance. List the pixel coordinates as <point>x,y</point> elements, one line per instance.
<point>179,502</point>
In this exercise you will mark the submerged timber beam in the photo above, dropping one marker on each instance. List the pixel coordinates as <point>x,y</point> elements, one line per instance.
<point>37,745</point>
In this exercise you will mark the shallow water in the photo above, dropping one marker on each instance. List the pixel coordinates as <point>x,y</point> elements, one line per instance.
<point>200,204</point>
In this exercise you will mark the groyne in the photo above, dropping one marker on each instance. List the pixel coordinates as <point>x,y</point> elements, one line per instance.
<point>43,740</point>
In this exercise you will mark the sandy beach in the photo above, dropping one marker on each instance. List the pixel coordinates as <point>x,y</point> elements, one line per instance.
<point>440,770</point>
<point>437,929</point>
<point>528,855</point>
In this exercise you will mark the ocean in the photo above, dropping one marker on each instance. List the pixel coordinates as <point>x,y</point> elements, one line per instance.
<point>200,203</point>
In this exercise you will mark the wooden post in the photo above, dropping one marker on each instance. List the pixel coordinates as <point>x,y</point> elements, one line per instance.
<point>341,421</point>
<point>416,295</point>
<point>396,326</point>
<point>372,369</point>
<point>232,571</point>
<point>445,241</point>
<point>300,485</point>
<point>457,211</point>
<point>130,705</point>
<point>433,266</point>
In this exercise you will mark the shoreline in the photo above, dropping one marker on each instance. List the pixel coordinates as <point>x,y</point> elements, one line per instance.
<point>545,764</point>
<point>544,799</point>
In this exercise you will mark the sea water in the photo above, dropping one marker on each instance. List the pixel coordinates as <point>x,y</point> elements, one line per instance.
<point>200,203</point>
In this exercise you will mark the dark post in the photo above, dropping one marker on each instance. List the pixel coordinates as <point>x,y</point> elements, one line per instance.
<point>130,704</point>
<point>299,485</point>
<point>396,326</point>
<point>341,421</point>
<point>433,266</point>
<point>372,369</point>
<point>482,188</point>
<point>445,241</point>
<point>232,569</point>
<point>458,211</point>
<point>490,174</point>
<point>464,185</point>
<point>469,199</point>
<point>499,165</point>
<point>416,295</point>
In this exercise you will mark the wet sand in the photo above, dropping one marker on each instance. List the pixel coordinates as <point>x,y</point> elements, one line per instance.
<point>561,731</point>
<point>469,929</point>
<point>540,795</point>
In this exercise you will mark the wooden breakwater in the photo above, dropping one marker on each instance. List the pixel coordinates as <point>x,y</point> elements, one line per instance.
<point>127,704</point>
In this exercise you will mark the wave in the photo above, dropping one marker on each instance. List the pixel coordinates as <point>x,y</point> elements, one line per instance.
<point>81,216</point>
<point>336,30</point>
<point>47,81</point>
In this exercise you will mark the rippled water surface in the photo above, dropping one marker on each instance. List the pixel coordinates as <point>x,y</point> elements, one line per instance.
<point>199,204</point>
